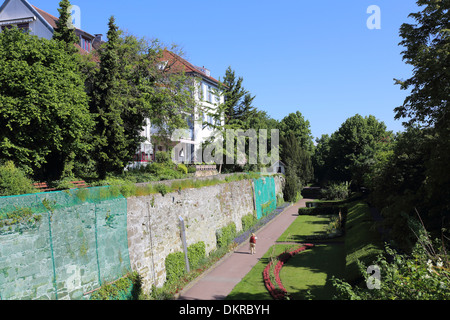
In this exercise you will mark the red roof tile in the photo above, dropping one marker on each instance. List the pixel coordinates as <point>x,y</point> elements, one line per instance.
<point>178,64</point>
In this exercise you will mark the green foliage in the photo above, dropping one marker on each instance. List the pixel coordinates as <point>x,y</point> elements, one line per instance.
<point>248,221</point>
<point>427,49</point>
<point>13,181</point>
<point>162,188</point>
<point>175,263</point>
<point>336,191</point>
<point>292,187</point>
<point>41,87</point>
<point>196,254</point>
<point>362,241</point>
<point>21,218</point>
<point>225,235</point>
<point>126,288</point>
<point>175,266</point>
<point>295,124</point>
<point>62,31</point>
<point>422,275</point>
<point>349,154</point>
<point>328,210</point>
<point>182,168</point>
<point>163,157</point>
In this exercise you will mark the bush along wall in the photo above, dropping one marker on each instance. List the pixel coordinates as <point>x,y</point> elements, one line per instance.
<point>226,235</point>
<point>176,265</point>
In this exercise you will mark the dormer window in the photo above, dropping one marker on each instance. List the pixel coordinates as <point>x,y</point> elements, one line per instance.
<point>85,44</point>
<point>21,26</point>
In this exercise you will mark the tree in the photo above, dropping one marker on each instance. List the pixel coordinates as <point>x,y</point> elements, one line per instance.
<point>63,32</point>
<point>296,123</point>
<point>349,153</point>
<point>107,107</point>
<point>296,158</point>
<point>44,111</point>
<point>237,107</point>
<point>427,49</point>
<point>129,86</point>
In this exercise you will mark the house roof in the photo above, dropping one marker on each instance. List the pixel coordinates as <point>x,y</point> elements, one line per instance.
<point>179,64</point>
<point>49,21</point>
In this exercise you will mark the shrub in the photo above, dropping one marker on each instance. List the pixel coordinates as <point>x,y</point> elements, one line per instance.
<point>292,188</point>
<point>175,264</point>
<point>13,180</point>
<point>126,288</point>
<point>182,168</point>
<point>163,189</point>
<point>226,235</point>
<point>192,169</point>
<point>248,221</point>
<point>163,157</point>
<point>336,191</point>
<point>322,210</point>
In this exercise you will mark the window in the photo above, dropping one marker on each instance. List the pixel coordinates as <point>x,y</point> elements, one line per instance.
<point>209,94</point>
<point>21,26</point>
<point>200,91</point>
<point>85,44</point>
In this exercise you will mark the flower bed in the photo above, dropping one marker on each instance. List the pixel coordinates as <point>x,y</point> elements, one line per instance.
<point>278,292</point>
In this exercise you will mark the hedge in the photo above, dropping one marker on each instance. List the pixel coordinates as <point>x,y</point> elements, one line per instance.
<point>322,210</point>
<point>175,264</point>
<point>226,235</point>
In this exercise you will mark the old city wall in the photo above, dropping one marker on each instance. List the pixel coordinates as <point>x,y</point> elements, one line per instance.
<point>81,239</point>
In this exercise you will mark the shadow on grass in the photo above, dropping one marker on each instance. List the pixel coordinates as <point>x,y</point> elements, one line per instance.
<point>308,275</point>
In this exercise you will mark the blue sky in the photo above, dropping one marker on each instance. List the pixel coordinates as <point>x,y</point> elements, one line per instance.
<point>316,57</point>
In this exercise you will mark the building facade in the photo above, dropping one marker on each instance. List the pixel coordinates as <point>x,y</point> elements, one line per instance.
<point>37,22</point>
<point>186,147</point>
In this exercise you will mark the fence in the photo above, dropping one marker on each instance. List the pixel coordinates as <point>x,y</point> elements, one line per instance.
<point>265,197</point>
<point>61,245</point>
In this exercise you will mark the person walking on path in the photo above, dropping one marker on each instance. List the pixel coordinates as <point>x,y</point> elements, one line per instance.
<point>217,282</point>
<point>253,243</point>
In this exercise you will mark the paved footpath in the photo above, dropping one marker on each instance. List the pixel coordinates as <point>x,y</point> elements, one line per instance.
<point>217,282</point>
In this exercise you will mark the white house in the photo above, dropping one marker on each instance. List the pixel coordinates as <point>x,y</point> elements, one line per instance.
<point>206,97</point>
<point>25,16</point>
<point>42,24</point>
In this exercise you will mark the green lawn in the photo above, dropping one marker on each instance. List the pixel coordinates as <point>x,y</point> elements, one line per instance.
<point>362,241</point>
<point>312,270</point>
<point>305,227</point>
<point>251,287</point>
<point>309,273</point>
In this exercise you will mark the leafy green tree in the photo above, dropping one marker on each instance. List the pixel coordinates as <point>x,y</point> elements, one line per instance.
<point>321,157</point>
<point>63,31</point>
<point>349,153</point>
<point>296,158</point>
<point>129,86</point>
<point>427,49</point>
<point>107,106</point>
<point>296,123</point>
<point>44,111</point>
<point>238,101</point>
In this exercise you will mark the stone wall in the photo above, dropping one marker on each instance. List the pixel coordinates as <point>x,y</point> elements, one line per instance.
<point>91,237</point>
<point>153,223</point>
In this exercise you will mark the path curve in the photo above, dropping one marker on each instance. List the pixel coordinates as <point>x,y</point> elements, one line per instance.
<point>218,281</point>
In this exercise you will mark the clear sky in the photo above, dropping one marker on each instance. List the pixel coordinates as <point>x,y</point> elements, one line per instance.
<point>316,57</point>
